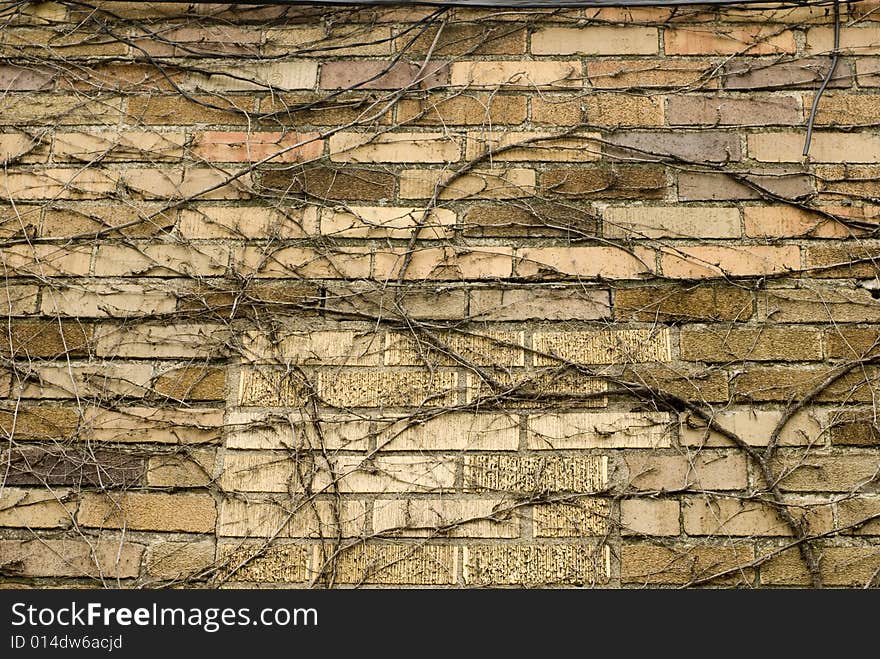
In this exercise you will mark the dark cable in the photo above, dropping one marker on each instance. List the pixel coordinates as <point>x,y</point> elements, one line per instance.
<point>834,58</point>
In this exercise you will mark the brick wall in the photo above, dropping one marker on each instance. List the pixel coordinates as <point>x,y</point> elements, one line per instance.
<point>426,297</point>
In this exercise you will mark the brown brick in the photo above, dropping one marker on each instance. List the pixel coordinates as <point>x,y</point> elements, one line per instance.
<point>840,566</point>
<point>69,42</point>
<point>39,422</point>
<point>773,74</point>
<point>707,470</point>
<point>649,73</point>
<point>720,187</point>
<point>650,517</point>
<point>153,511</point>
<point>538,390</point>
<point>854,428</point>
<point>782,383</point>
<point>467,38</point>
<point>45,557</point>
<point>536,565</point>
<point>715,516</point>
<point>804,471</point>
<point>192,383</point>
<point>851,342</point>
<point>34,508</point>
<point>765,39</point>
<point>862,514</point>
<point>600,182</point>
<point>550,303</point>
<point>694,385</point>
<point>600,40</point>
<point>370,74</point>
<point>194,109</point>
<point>843,260</point>
<point>683,304</point>
<point>845,109</point>
<point>555,110</point>
<point>684,564</point>
<point>138,220</point>
<point>529,219</point>
<point>497,183</point>
<point>615,110</point>
<point>54,110</point>
<point>713,261</point>
<point>692,146</point>
<point>72,466</point>
<point>31,339</point>
<point>714,111</point>
<point>724,344</point>
<point>14,78</point>
<point>326,183</point>
<point>470,110</point>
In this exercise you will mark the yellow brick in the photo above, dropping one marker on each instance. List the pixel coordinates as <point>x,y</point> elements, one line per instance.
<point>320,347</point>
<point>703,470</point>
<point>193,468</point>
<point>385,222</point>
<point>107,557</point>
<point>153,511</point>
<point>534,389</point>
<point>671,222</point>
<point>611,40</point>
<point>824,147</point>
<point>179,560</point>
<point>293,519</point>
<point>517,74</point>
<point>734,517</point>
<point>261,564</point>
<point>394,147</point>
<point>472,518</point>
<point>453,431</point>
<point>582,517</point>
<point>543,147</point>
<point>271,388</point>
<point>368,388</point>
<point>536,565</point>
<point>606,347</point>
<point>345,40</point>
<point>509,183</point>
<point>486,349</point>
<point>649,517</point>
<point>116,301</point>
<point>158,341</point>
<point>246,222</point>
<point>582,430</point>
<point>36,507</point>
<point>509,473</point>
<point>295,430</point>
<point>161,260</point>
<point>421,565</point>
<point>46,260</point>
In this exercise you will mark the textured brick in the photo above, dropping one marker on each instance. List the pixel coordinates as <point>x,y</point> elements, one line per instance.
<point>820,303</point>
<point>138,220</point>
<point>684,564</point>
<point>33,339</point>
<point>468,38</point>
<point>192,468</point>
<point>370,74</point>
<point>285,563</point>
<point>500,183</point>
<point>39,422</point>
<point>753,426</point>
<point>751,40</point>
<point>419,565</point>
<point>824,147</point>
<point>544,565</point>
<point>176,110</point>
<point>600,182</point>
<point>842,260</point>
<point>840,566</point>
<point>510,74</point>
<point>846,109</point>
<point>862,515</point>
<point>549,303</point>
<point>472,518</point>
<point>723,344</point>
<point>851,343</point>
<point>192,383</point>
<point>72,466</point>
<point>782,383</point>
<point>854,428</point>
<point>682,304</point>
<point>315,519</point>
<point>815,472</point>
<point>470,110</point>
<point>393,147</point>
<point>587,430</point>
<point>36,508</point>
<point>595,41</point>
<point>700,385</point>
<point>484,349</point>
<point>339,40</point>
<point>329,183</point>
<point>585,516</point>
<point>54,110</point>
<point>615,110</point>
<point>271,388</point>
<point>609,347</point>
<point>388,389</point>
<point>671,221</point>
<point>46,557</point>
<point>506,473</point>
<point>708,470</point>
<point>152,511</point>
<point>528,218</point>
<point>712,261</point>
<point>649,517</point>
<point>714,111</point>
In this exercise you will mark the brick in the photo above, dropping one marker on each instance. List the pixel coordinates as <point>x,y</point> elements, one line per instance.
<point>141,511</point>
<point>824,147</point>
<point>802,471</point>
<point>304,263</point>
<point>584,262</point>
<point>714,111</point>
<point>340,40</point>
<point>846,109</point>
<point>74,381</point>
<point>712,261</point>
<point>36,508</point>
<point>260,75</point>
<point>820,303</point>
<point>34,339</point>
<point>499,183</point>
<point>200,182</point>
<point>600,40</point>
<point>279,563</point>
<point>467,38</point>
<point>192,468</point>
<point>179,560</point>
<point>266,471</point>
<point>774,74</point>
<point>61,465</point>
<point>517,74</point>
<point>15,78</point>
<point>194,109</point>
<point>381,221</point>
<point>393,147</point>
<point>753,426</point>
<point>236,146</point>
<point>614,110</point>
<point>425,301</point>
<point>62,43</point>
<point>707,470</point>
<point>297,109</point>
<point>588,430</point>
<point>59,183</point>
<point>326,183</point>
<point>671,221</point>
<point>246,222</point>
<point>547,302</point>
<point>39,422</point>
<point>137,220</point>
<point>857,39</point>
<point>160,341</point>
<point>765,39</point>
<point>723,345</point>
<point>371,74</point>
<point>271,388</point>
<point>604,347</point>
<point>791,222</point>
<point>44,260</point>
<point>603,182</point>
<point>536,146</point>
<point>842,260</point>
<point>540,390</point>
<point>46,557</point>
<point>317,519</point>
<point>472,518</point>
<point>853,428</point>
<point>734,517</point>
<point>116,300</point>
<point>527,218</point>
<point>649,73</point>
<point>649,517</point>
<point>192,383</point>
<point>204,41</point>
<point>753,185</point>
<point>58,110</point>
<point>840,566</point>
<point>862,514</point>
<point>781,383</point>
<point>851,342</point>
<point>558,110</point>
<point>684,564</point>
<point>485,349</point>
<point>18,300</point>
<point>154,425</point>
<point>507,473</point>
<point>544,565</point>
<point>418,565</point>
<point>583,517</point>
<point>362,348</point>
<point>388,389</point>
<point>107,146</point>
<point>451,432</point>
<point>868,71</point>
<point>276,430</point>
<point>680,304</point>
<point>698,147</point>
<point>470,110</point>
<point>18,149</point>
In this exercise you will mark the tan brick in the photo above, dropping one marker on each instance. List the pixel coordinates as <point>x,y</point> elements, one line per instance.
<point>236,146</point>
<point>558,110</point>
<point>19,300</point>
<point>842,260</point>
<point>711,261</point>
<point>540,390</point>
<point>46,260</point>
<point>179,560</point>
<point>806,471</point>
<point>296,519</point>
<point>857,39</point>
<point>279,563</point>
<point>550,303</point>
<point>714,516</point>
<point>39,422</point>
<point>517,74</point>
<point>394,147</point>
<point>271,388</point>
<point>345,348</point>
<point>158,341</point>
<point>868,71</point>
<point>820,303</point>
<point>385,222</point>
<point>862,514</point>
<point>603,347</point>
<point>143,424</point>
<point>790,222</point>
<point>129,145</point>
<point>845,109</point>
<point>116,300</point>
<point>615,110</point>
<point>723,344</point>
<point>15,78</point>
<point>785,184</point>
<point>459,110</point>
<point>44,557</point>
<point>36,508</point>
<point>260,75</point>
<point>201,182</point>
<point>649,517</point>
<point>333,184</point>
<point>684,564</point>
<point>55,110</point>
<point>851,342</point>
<point>471,518</point>
<point>678,303</point>
<point>583,517</point>
<point>19,148</point>
<point>59,183</point>
<point>584,262</point>
<point>765,39</point>
<point>824,147</point>
<point>419,565</point>
<point>707,470</point>
<point>192,468</point>
<point>649,73</point>
<point>753,426</point>
<point>840,566</point>
<point>341,40</point>
<point>600,40</point>
<point>509,473</point>
<point>485,349</point>
<point>304,262</point>
<point>484,431</point>
<point>210,40</point>
<point>245,222</point>
<point>295,430</point>
<point>192,383</point>
<point>68,42</point>
<point>97,379</point>
<point>500,183</point>
<point>536,146</point>
<point>536,565</point>
<point>856,427</point>
<point>136,220</point>
<point>354,388</point>
<point>467,38</point>
<point>603,182</point>
<point>587,430</point>
<point>714,111</point>
<point>153,511</point>
<point>371,74</point>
